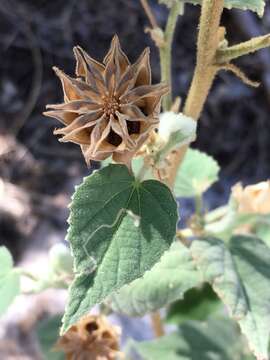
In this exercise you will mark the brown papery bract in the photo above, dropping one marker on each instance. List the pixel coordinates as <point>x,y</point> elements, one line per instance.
<point>253,199</point>
<point>92,338</point>
<point>110,108</point>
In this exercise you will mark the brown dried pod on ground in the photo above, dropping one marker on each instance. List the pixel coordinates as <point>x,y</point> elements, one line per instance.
<point>92,338</point>
<point>109,108</point>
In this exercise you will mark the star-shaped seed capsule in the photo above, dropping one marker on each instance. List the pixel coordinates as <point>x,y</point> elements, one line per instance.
<point>110,108</point>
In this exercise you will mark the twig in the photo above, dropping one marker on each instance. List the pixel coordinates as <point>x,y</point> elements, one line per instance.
<point>244,48</point>
<point>37,59</point>
<point>36,82</point>
<point>165,53</point>
<point>157,324</point>
<point>248,25</point>
<point>205,71</point>
<point>27,274</point>
<point>149,14</point>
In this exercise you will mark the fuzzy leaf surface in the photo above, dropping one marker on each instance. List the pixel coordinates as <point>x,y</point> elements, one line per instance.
<point>119,228</point>
<point>253,5</point>
<point>165,283</point>
<point>240,274</point>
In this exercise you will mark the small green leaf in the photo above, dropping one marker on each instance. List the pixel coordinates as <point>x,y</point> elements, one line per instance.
<point>9,280</point>
<point>253,5</point>
<point>119,229</point>
<point>60,260</point>
<point>215,340</point>
<point>197,173</point>
<point>48,333</point>
<point>240,275</point>
<point>175,130</point>
<point>198,304</point>
<point>165,283</point>
<point>5,260</point>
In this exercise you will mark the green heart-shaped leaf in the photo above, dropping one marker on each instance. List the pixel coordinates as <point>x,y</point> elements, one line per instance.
<point>119,228</point>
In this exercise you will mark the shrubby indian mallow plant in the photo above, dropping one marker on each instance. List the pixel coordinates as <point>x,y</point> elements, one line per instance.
<point>127,255</point>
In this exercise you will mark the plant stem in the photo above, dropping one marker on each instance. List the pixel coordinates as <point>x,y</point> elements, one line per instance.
<point>165,52</point>
<point>232,52</point>
<point>149,14</point>
<point>216,214</point>
<point>199,205</point>
<point>205,71</point>
<point>27,274</point>
<point>157,324</point>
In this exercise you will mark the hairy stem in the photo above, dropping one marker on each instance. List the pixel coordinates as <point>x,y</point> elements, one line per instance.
<point>27,274</point>
<point>149,14</point>
<point>165,52</point>
<point>232,52</point>
<point>205,71</point>
<point>157,324</point>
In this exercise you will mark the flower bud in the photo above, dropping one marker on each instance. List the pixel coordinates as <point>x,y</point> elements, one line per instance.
<point>170,123</point>
<point>60,259</point>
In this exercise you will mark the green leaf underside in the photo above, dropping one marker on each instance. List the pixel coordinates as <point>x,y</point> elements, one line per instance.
<point>197,173</point>
<point>253,5</point>
<point>215,340</point>
<point>240,275</point>
<point>262,230</point>
<point>5,260</point>
<point>198,304</point>
<point>119,229</point>
<point>9,280</point>
<point>48,333</point>
<point>164,283</point>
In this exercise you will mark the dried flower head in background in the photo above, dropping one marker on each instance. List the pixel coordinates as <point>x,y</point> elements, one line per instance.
<point>92,338</point>
<point>253,198</point>
<point>109,108</point>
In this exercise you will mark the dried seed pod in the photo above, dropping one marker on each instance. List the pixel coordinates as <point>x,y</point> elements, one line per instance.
<point>92,338</point>
<point>109,108</point>
<point>252,199</point>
